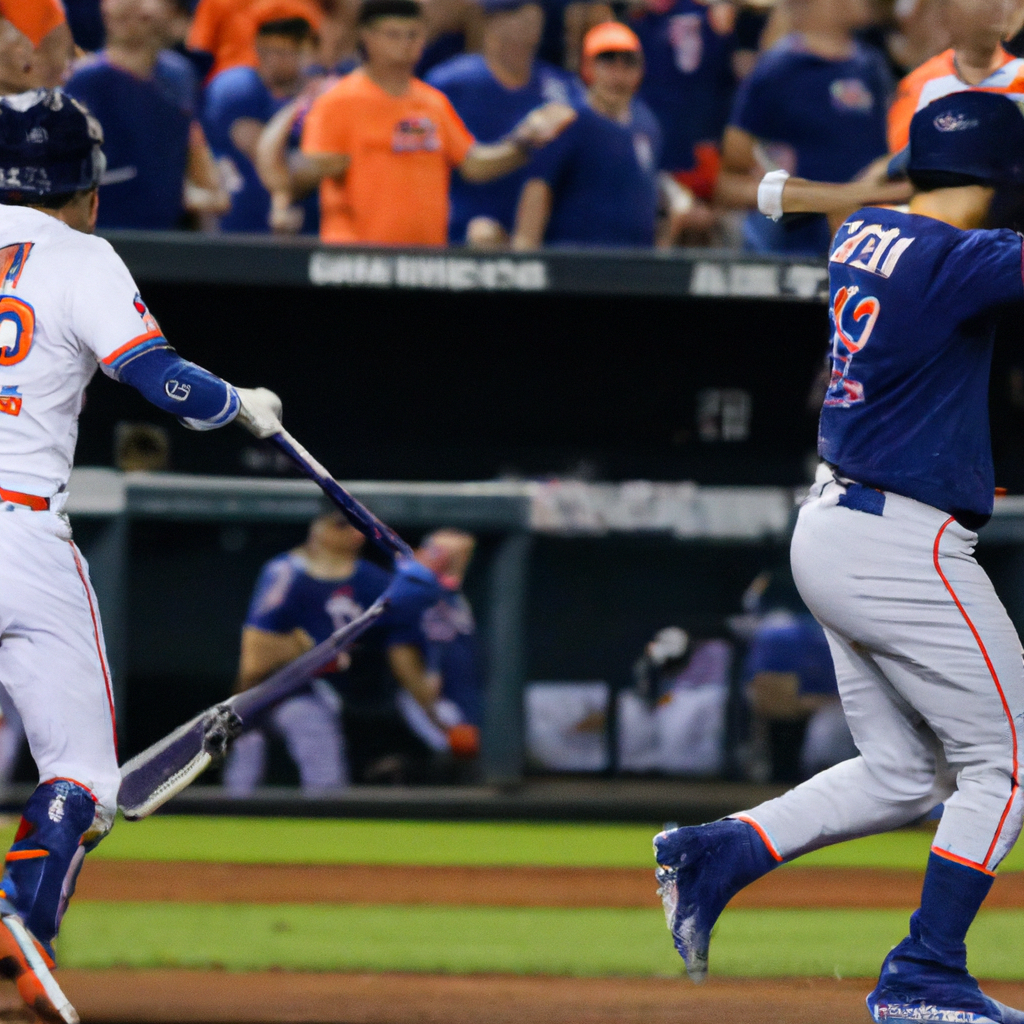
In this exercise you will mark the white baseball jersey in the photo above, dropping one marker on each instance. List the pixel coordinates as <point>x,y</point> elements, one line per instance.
<point>67,304</point>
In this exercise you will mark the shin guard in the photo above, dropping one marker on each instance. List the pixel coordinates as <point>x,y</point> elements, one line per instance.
<point>60,824</point>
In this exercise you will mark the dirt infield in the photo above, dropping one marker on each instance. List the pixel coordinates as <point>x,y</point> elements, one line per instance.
<point>190,882</point>
<point>160,997</point>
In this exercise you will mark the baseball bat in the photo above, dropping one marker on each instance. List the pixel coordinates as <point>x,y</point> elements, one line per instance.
<point>164,769</point>
<point>380,535</point>
<point>161,771</point>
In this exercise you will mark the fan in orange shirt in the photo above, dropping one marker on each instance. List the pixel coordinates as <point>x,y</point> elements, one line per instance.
<point>977,60</point>
<point>45,25</point>
<point>381,144</point>
<point>227,28</point>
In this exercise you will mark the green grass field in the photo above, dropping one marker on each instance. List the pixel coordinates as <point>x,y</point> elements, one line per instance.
<point>584,942</point>
<point>304,841</point>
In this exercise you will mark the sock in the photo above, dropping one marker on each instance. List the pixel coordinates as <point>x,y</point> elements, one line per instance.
<point>58,827</point>
<point>950,900</point>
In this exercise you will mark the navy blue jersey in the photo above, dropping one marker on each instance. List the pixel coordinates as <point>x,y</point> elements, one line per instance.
<point>490,112</point>
<point>688,80</point>
<point>817,118</point>
<point>146,124</point>
<point>913,306</point>
<point>239,93</point>
<point>793,643</point>
<point>449,643</point>
<point>604,176</point>
<point>287,598</point>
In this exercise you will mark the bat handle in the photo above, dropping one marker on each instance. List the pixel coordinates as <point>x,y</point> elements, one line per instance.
<point>355,512</point>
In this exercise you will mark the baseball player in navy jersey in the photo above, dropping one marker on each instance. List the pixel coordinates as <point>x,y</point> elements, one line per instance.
<point>67,306</point>
<point>927,661</point>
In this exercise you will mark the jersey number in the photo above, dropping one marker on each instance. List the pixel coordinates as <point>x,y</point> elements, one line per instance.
<point>847,340</point>
<point>17,328</point>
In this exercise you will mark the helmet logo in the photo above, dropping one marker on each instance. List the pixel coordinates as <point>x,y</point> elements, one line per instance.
<point>954,123</point>
<point>38,134</point>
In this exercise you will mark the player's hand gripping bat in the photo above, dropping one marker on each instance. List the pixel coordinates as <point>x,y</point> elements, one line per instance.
<point>152,777</point>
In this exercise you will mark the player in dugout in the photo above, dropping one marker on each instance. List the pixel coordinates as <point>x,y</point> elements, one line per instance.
<point>927,660</point>
<point>381,145</point>
<point>599,183</point>
<point>976,59</point>
<point>302,597</point>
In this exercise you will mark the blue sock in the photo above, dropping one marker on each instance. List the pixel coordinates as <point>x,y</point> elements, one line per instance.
<point>950,900</point>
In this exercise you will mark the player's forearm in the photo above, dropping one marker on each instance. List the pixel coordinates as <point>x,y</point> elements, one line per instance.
<point>802,196</point>
<point>177,386</point>
<point>410,670</point>
<point>487,161</point>
<point>737,190</point>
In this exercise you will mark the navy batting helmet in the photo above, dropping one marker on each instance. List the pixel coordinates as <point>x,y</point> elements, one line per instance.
<point>967,138</point>
<point>49,145</point>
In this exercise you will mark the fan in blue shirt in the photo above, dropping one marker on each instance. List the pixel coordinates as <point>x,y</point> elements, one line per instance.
<point>688,80</point>
<point>492,92</point>
<point>817,114</point>
<point>147,100</point>
<point>239,102</point>
<point>598,184</point>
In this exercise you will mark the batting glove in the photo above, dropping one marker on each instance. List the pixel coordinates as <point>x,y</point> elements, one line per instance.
<point>259,411</point>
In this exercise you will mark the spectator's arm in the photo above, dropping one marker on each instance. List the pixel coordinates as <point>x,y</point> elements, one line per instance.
<point>407,665</point>
<point>245,135</point>
<point>204,191</point>
<point>541,126</point>
<point>741,172</point>
<point>53,57</point>
<point>264,653</point>
<point>840,200</point>
<point>293,174</point>
<point>532,214</point>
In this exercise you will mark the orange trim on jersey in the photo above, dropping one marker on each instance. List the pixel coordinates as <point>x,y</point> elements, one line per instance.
<point>118,352</point>
<point>946,855</point>
<point>26,854</point>
<point>761,832</point>
<point>33,501</point>
<point>1002,696</point>
<point>99,649</point>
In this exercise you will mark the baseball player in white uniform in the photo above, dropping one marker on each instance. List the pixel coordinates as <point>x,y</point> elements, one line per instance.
<point>67,306</point>
<point>927,661</point>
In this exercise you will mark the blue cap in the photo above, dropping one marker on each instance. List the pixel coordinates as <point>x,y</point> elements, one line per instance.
<point>978,135</point>
<point>49,145</point>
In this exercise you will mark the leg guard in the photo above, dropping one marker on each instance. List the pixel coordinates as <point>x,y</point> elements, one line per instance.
<point>60,824</point>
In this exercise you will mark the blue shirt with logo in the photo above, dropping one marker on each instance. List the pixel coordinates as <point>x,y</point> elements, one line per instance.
<point>817,118</point>
<point>447,637</point>
<point>604,180</point>
<point>146,124</point>
<point>688,81</point>
<point>490,112</point>
<point>287,597</point>
<point>914,304</point>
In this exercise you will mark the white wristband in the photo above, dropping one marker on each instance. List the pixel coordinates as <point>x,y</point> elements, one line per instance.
<point>769,194</point>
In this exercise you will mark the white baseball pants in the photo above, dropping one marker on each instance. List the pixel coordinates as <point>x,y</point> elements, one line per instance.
<point>931,678</point>
<point>53,663</point>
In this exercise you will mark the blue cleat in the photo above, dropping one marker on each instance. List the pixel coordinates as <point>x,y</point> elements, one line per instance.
<point>913,986</point>
<point>699,870</point>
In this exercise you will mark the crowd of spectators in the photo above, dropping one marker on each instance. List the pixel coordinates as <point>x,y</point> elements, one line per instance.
<point>498,123</point>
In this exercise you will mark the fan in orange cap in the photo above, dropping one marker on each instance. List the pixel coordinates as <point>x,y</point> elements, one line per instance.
<point>44,24</point>
<point>608,37</point>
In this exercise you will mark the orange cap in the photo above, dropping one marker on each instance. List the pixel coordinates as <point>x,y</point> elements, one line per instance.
<point>281,10</point>
<point>610,37</point>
